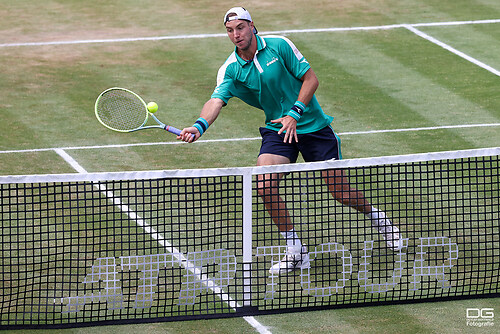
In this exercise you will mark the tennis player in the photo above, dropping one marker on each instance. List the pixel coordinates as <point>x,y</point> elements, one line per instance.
<point>271,74</point>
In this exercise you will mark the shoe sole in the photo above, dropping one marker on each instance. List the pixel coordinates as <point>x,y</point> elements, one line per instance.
<point>305,265</point>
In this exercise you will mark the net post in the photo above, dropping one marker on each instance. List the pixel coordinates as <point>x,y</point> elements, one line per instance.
<point>247,238</point>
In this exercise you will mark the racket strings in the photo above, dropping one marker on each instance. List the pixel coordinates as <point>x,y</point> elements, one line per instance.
<point>121,110</point>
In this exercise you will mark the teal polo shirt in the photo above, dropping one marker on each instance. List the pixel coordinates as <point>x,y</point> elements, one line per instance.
<point>271,82</point>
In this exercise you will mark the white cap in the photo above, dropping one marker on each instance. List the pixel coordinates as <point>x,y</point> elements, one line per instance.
<point>241,14</point>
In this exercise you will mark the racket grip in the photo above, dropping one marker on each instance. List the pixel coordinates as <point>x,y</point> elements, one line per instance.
<point>173,130</point>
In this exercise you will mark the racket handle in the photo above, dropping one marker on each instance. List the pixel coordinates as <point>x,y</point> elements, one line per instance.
<point>173,130</point>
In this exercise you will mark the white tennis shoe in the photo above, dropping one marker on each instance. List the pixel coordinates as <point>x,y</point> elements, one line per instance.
<point>295,258</point>
<point>389,232</point>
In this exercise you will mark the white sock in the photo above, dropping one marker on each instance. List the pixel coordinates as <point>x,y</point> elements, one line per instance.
<point>374,214</point>
<point>292,239</point>
<point>377,217</point>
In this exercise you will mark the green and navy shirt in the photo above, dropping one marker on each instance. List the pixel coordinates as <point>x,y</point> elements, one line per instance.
<point>271,82</point>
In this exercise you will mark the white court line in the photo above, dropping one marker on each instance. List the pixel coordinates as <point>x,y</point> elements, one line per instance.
<point>198,36</point>
<point>69,148</point>
<point>176,253</point>
<point>454,23</point>
<point>451,49</point>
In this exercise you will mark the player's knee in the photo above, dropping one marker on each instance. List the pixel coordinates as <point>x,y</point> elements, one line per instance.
<point>267,188</point>
<point>264,188</point>
<point>267,185</point>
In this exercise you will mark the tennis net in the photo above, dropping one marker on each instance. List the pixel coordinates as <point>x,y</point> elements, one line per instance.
<point>102,248</point>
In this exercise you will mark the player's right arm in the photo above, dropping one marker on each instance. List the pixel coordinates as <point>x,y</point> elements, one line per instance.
<point>209,114</point>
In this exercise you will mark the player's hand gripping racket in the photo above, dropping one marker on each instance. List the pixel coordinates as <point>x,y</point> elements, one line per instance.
<point>122,110</point>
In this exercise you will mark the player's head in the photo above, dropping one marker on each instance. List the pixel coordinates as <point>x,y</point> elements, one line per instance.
<point>240,28</point>
<point>239,13</point>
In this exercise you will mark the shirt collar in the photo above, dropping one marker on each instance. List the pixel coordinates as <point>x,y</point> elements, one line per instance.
<point>261,44</point>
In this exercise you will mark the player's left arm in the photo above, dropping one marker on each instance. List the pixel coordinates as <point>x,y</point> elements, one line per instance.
<point>310,83</point>
<point>299,67</point>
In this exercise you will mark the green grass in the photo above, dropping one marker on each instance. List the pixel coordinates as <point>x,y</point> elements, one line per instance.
<point>369,80</point>
<point>439,317</point>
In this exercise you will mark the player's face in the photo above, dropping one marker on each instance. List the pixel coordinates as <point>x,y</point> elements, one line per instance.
<point>240,32</point>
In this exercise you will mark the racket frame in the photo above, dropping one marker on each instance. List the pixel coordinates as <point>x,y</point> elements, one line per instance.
<point>160,125</point>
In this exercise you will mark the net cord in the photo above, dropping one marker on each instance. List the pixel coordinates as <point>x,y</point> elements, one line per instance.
<point>212,172</point>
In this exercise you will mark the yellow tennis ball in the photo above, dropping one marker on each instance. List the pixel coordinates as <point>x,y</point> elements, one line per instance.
<point>152,107</point>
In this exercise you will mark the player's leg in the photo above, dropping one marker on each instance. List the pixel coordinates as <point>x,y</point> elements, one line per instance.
<point>344,193</point>
<point>341,190</point>
<point>268,189</point>
<point>325,145</point>
<point>274,152</point>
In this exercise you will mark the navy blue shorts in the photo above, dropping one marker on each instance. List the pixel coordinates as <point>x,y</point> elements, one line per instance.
<point>317,146</point>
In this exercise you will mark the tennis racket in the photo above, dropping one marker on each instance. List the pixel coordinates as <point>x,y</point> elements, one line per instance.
<point>122,110</point>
